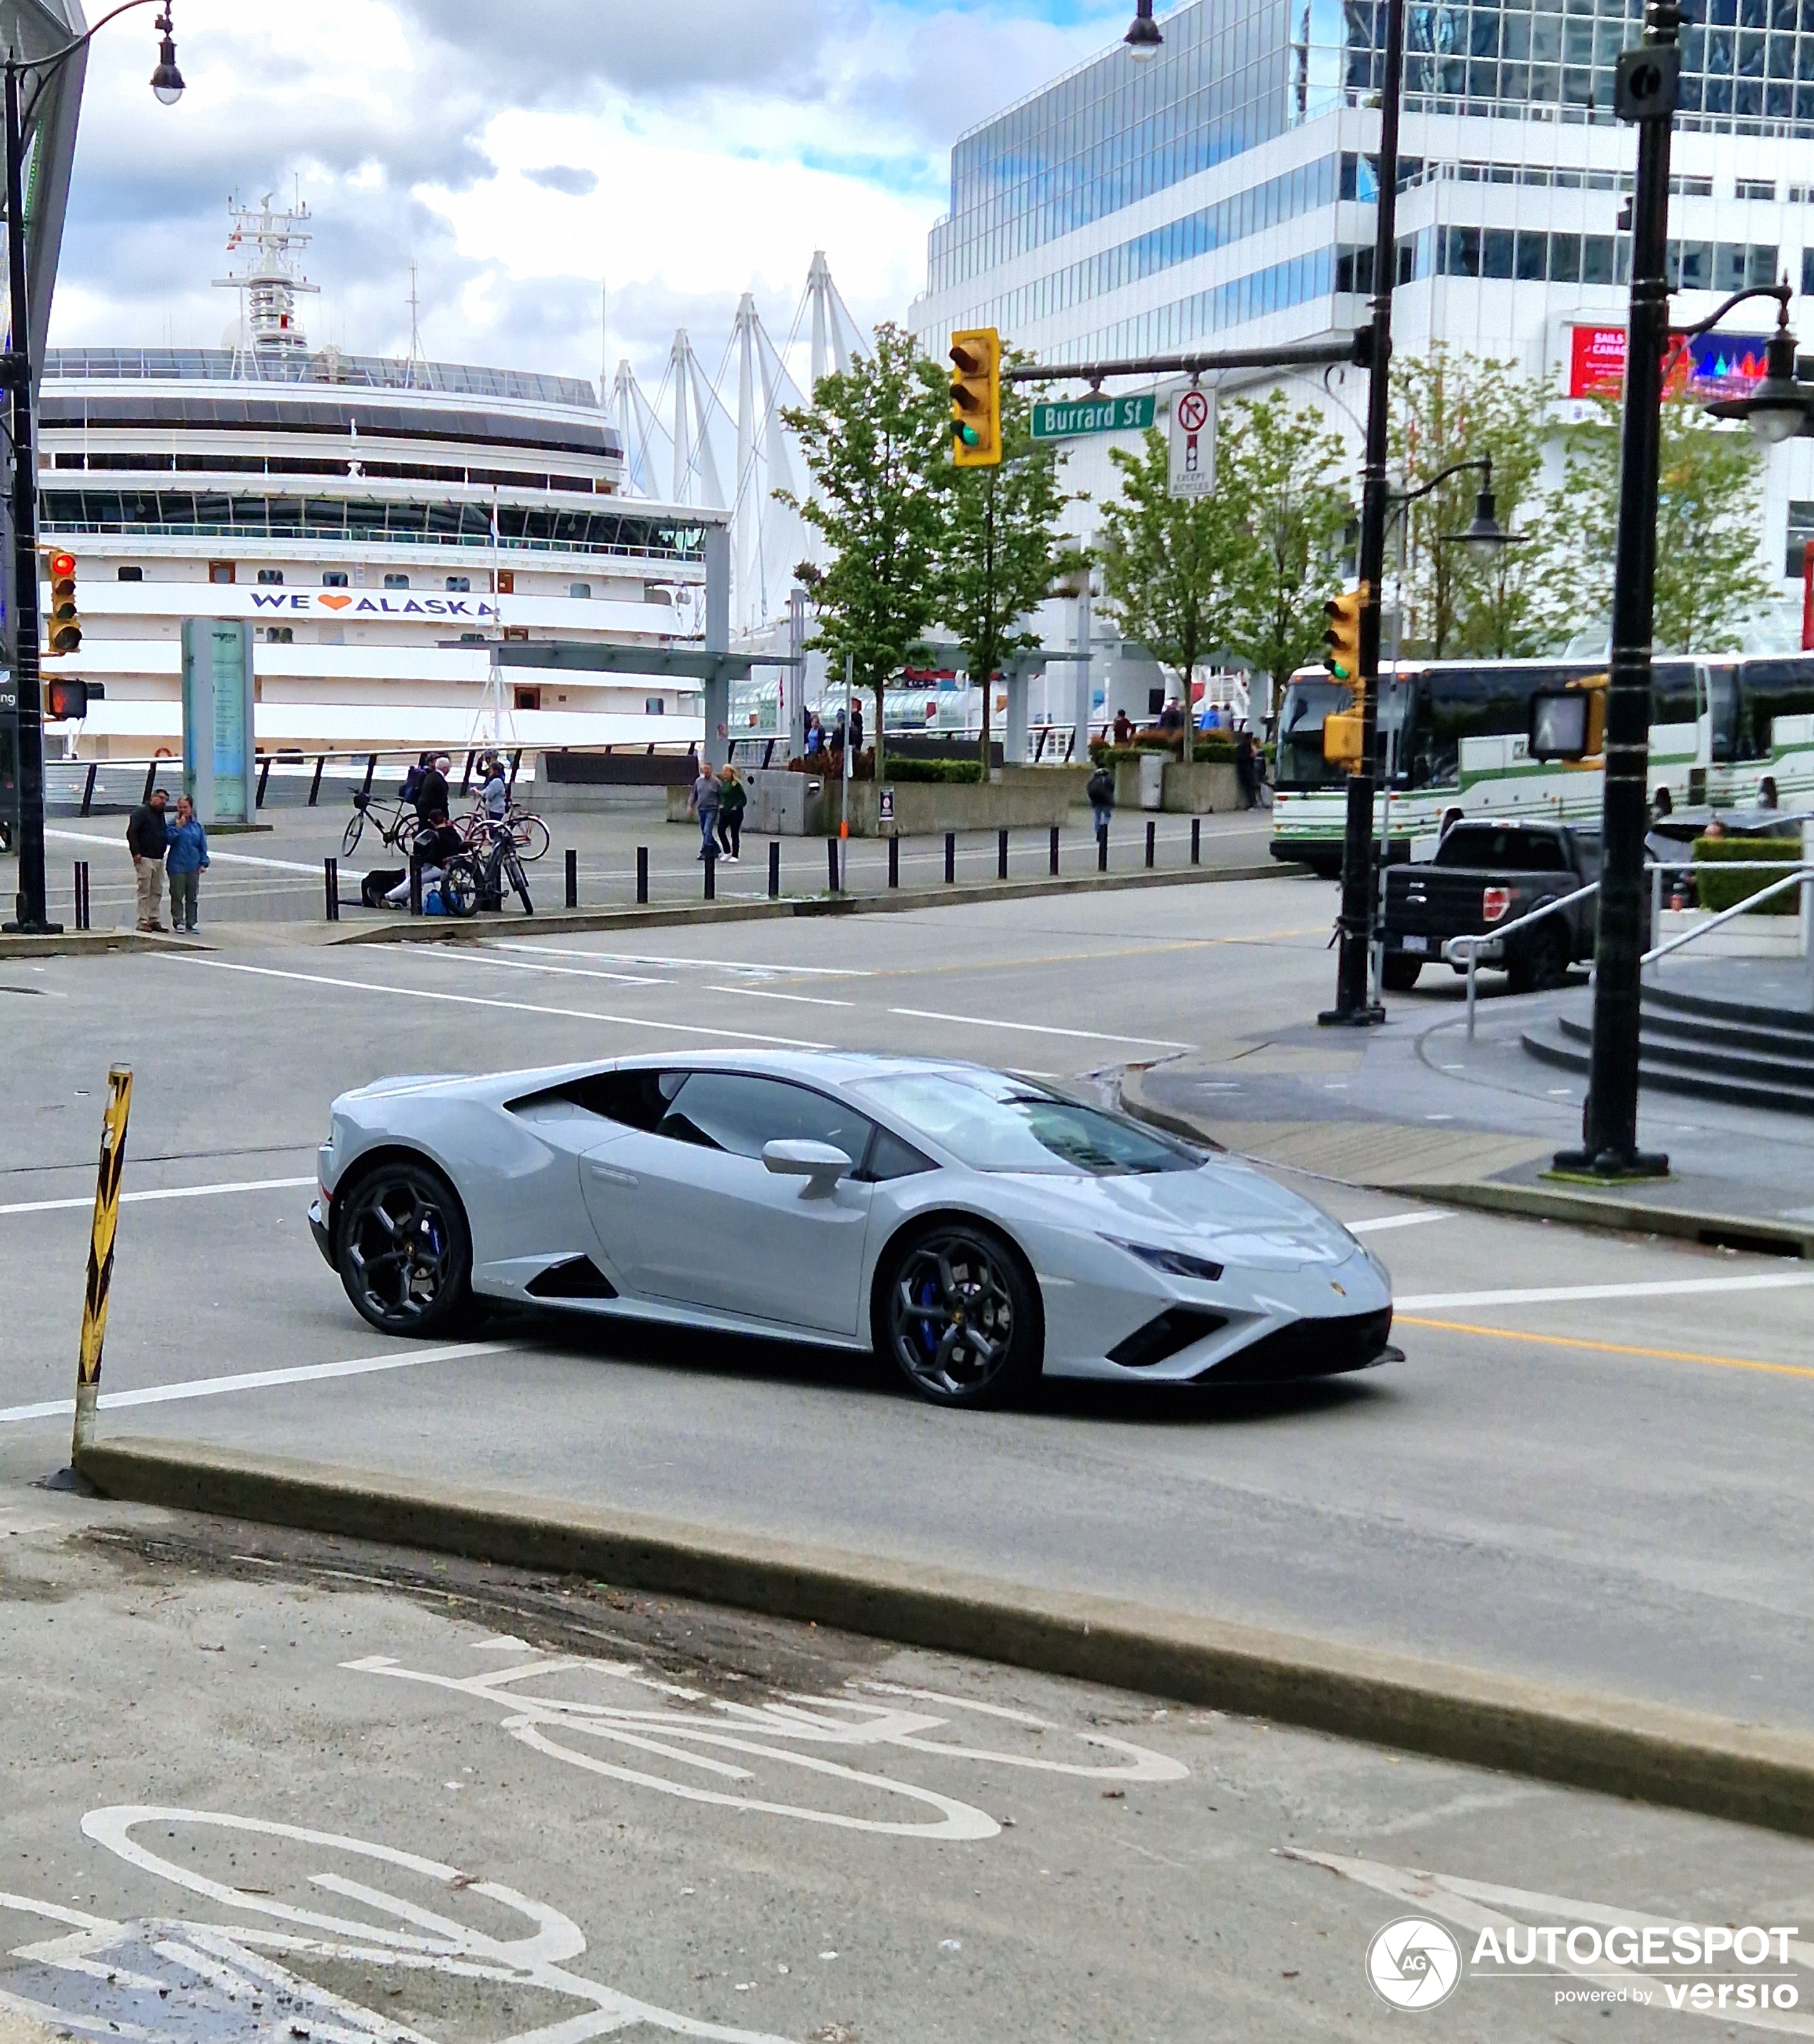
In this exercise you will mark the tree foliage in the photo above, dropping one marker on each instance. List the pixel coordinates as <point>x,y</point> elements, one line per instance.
<point>1709,582</point>
<point>999,549</point>
<point>874,437</point>
<point>1164,559</point>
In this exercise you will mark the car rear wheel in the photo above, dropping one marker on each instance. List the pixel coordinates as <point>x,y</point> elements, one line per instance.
<point>403,1249</point>
<point>1399,973</point>
<point>1543,966</point>
<point>955,1312</point>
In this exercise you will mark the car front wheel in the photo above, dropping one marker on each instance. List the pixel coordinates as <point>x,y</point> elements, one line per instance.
<point>403,1249</point>
<point>955,1313</point>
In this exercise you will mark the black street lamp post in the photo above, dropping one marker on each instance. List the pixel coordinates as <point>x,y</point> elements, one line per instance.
<point>31,917</point>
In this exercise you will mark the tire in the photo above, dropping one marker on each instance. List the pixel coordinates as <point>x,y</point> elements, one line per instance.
<point>408,830</point>
<point>460,885</point>
<point>956,1313</point>
<point>518,879</point>
<point>1542,965</point>
<point>530,835</point>
<point>402,1248</point>
<point>349,840</point>
<point>1399,973</point>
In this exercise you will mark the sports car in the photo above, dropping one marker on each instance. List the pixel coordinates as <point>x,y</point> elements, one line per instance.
<point>974,1228</point>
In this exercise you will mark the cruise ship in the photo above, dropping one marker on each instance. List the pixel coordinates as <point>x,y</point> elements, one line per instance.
<point>381,523</point>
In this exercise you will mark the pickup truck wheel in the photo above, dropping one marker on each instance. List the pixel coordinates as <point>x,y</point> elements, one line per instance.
<point>1399,973</point>
<point>1543,964</point>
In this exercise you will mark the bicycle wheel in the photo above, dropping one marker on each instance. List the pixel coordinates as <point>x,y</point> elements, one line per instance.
<point>518,879</point>
<point>460,884</point>
<point>409,829</point>
<point>530,836</point>
<point>349,843</point>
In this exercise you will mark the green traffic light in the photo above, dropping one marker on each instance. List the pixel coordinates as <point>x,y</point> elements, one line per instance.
<point>968,435</point>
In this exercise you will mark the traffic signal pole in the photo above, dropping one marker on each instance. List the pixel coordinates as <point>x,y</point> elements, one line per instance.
<point>31,916</point>
<point>1353,1008</point>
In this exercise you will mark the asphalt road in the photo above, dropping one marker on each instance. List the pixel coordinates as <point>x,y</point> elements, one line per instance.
<point>1605,1490</point>
<point>254,1786</point>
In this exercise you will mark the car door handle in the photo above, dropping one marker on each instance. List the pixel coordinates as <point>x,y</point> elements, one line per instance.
<point>610,1172</point>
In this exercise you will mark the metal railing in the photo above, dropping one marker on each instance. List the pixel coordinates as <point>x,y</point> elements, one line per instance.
<point>1495,938</point>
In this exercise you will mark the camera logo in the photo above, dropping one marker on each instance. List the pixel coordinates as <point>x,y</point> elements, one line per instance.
<point>1413,1963</point>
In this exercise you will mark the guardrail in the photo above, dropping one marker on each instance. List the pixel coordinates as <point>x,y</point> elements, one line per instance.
<point>1495,938</point>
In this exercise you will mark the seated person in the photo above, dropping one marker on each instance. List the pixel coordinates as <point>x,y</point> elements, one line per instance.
<point>436,843</point>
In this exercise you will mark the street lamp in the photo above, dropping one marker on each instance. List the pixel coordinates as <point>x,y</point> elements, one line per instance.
<point>1143,37</point>
<point>1778,406</point>
<point>31,916</point>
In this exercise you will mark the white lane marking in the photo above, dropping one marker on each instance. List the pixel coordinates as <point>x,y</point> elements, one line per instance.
<point>516,1007</point>
<point>1038,1028</point>
<point>1415,1220</point>
<point>163,1192</point>
<point>217,858</point>
<point>692,964</point>
<point>480,954</point>
<point>251,1380</point>
<point>762,993</point>
<point>1662,1288</point>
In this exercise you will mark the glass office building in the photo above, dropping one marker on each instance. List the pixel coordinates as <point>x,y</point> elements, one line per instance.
<point>1222,195</point>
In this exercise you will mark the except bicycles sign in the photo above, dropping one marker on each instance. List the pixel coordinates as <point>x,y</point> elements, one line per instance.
<point>1092,415</point>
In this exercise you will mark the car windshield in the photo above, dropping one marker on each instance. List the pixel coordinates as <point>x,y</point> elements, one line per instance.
<point>994,1122</point>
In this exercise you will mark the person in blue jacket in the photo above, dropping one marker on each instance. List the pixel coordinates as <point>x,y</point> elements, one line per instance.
<point>186,862</point>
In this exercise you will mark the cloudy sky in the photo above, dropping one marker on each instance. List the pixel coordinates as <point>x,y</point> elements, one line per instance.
<point>526,155</point>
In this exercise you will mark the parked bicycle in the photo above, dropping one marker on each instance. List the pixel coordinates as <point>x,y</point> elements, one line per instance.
<point>476,879</point>
<point>396,827</point>
<point>528,831</point>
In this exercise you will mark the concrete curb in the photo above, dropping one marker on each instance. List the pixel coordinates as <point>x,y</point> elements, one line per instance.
<point>439,929</point>
<point>1758,1233</point>
<point>77,943</point>
<point>1682,1759</point>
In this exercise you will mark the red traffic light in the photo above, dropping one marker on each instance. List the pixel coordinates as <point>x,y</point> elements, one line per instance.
<point>61,564</point>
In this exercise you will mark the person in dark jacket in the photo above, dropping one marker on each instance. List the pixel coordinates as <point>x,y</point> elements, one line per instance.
<point>186,862</point>
<point>1100,788</point>
<point>147,839</point>
<point>1246,770</point>
<point>431,794</point>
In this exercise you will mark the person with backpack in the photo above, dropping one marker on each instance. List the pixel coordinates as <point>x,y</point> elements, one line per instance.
<point>733,799</point>
<point>1100,789</point>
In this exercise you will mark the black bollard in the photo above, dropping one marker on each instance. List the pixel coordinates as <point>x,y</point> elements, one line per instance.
<point>950,857</point>
<point>1054,852</point>
<point>711,877</point>
<point>1152,842</point>
<point>1102,849</point>
<point>83,920</point>
<point>642,875</point>
<point>893,860</point>
<point>775,869</point>
<point>330,881</point>
<point>1001,854</point>
<point>573,879</point>
<point>1196,840</point>
<point>832,863</point>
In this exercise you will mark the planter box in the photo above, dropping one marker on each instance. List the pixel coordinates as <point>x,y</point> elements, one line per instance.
<point>1745,936</point>
<point>807,805</point>
<point>1201,788</point>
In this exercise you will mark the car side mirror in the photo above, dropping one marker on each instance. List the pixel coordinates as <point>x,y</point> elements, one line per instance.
<point>821,1164</point>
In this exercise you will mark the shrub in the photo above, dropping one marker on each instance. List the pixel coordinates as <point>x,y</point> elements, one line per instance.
<point>954,770</point>
<point>1211,746</point>
<point>1726,890</point>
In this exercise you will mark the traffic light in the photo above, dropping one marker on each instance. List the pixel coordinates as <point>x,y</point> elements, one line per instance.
<point>1341,637</point>
<point>62,622</point>
<point>65,701</point>
<point>976,397</point>
<point>1570,723</point>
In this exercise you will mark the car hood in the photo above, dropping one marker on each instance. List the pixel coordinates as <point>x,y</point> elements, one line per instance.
<point>1222,1211</point>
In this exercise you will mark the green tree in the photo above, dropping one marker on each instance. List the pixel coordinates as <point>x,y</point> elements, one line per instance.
<point>1710,580</point>
<point>1280,509</point>
<point>874,438</point>
<point>999,549</point>
<point>1163,560</point>
<point>1450,407</point>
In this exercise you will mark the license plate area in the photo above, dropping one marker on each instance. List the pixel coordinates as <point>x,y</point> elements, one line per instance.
<point>1415,943</point>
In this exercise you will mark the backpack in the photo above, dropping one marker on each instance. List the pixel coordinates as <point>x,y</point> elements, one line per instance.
<point>1101,786</point>
<point>377,883</point>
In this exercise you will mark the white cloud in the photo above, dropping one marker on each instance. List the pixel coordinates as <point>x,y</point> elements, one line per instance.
<point>728,140</point>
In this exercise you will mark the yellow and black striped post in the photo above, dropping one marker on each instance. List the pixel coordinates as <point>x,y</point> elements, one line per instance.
<point>101,1254</point>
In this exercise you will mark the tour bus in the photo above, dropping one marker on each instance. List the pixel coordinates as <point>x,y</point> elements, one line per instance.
<point>1457,731</point>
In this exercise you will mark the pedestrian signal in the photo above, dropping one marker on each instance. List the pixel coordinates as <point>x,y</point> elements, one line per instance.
<point>1341,636</point>
<point>1570,723</point>
<point>976,397</point>
<point>62,626</point>
<point>65,701</point>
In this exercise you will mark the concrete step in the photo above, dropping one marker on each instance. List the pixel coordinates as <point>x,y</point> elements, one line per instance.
<point>1719,1051</point>
<point>1799,1022</point>
<point>1566,1046</point>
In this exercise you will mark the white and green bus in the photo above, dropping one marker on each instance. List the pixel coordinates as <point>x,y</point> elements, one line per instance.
<point>1457,730</point>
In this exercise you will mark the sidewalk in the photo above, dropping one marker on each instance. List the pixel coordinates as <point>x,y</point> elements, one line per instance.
<point>1413,1108</point>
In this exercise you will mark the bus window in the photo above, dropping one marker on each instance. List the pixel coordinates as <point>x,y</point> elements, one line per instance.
<point>1673,695</point>
<point>1300,763</point>
<point>1722,708</point>
<point>1768,689</point>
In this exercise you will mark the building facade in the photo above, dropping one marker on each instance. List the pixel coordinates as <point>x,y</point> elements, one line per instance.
<point>1223,195</point>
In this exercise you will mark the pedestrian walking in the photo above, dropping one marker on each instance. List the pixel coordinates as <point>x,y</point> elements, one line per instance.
<point>704,801</point>
<point>186,862</point>
<point>1246,770</point>
<point>1100,789</point>
<point>147,839</point>
<point>733,799</point>
<point>856,728</point>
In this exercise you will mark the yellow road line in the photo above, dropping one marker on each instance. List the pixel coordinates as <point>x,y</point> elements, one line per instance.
<point>1608,1348</point>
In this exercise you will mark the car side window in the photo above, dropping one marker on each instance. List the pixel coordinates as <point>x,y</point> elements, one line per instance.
<point>635,1099</point>
<point>739,1112</point>
<point>890,1157</point>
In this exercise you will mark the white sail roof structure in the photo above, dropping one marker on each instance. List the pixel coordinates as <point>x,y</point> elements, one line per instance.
<point>702,441</point>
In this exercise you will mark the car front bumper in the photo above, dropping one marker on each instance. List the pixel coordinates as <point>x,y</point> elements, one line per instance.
<point>322,1228</point>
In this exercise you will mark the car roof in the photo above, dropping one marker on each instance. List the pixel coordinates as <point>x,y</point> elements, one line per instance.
<point>832,1066</point>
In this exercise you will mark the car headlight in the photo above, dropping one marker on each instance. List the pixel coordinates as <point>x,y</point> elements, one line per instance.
<point>1173,1261</point>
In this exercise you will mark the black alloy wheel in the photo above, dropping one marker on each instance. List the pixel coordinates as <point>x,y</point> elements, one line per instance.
<point>1542,965</point>
<point>404,1253</point>
<point>955,1314</point>
<point>1399,974</point>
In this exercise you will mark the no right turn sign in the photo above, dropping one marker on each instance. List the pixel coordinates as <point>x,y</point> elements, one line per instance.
<point>1193,471</point>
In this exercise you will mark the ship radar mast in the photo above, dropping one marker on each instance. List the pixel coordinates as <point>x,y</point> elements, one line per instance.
<point>267,275</point>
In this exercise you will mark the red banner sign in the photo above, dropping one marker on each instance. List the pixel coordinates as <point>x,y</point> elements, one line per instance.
<point>1596,361</point>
